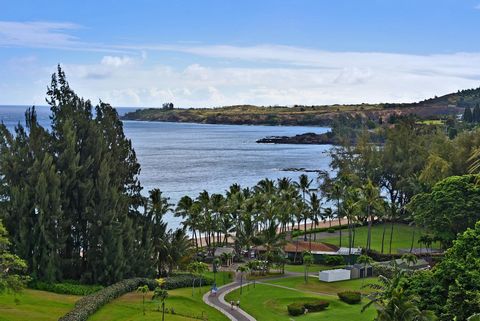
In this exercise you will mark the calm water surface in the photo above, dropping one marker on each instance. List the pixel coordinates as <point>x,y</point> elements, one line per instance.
<point>182,158</point>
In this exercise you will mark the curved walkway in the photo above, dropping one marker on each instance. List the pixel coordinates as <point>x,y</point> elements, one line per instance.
<point>218,302</point>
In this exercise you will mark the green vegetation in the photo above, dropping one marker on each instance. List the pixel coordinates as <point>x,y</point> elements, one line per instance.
<point>12,268</point>
<point>72,288</point>
<point>180,302</point>
<point>452,289</point>
<point>34,305</point>
<point>76,212</point>
<point>314,268</point>
<point>350,297</point>
<point>266,302</point>
<point>450,208</point>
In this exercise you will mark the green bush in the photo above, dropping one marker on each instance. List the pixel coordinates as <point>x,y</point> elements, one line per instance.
<point>89,304</point>
<point>334,260</point>
<point>331,230</point>
<point>295,309</point>
<point>350,297</point>
<point>70,288</point>
<point>316,306</point>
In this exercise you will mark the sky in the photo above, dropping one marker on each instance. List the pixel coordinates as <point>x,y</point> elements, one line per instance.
<point>222,52</point>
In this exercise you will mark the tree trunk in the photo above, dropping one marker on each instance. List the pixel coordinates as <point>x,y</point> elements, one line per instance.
<point>383,234</point>
<point>391,239</point>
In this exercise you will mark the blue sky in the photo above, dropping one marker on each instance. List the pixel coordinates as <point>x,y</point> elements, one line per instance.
<point>211,53</point>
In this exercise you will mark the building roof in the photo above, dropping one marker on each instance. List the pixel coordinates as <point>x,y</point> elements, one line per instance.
<point>220,250</point>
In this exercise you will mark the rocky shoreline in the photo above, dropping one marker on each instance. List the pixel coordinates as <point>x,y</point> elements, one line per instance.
<point>307,138</point>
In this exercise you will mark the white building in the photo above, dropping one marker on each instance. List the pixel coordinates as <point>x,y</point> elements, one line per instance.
<point>334,275</point>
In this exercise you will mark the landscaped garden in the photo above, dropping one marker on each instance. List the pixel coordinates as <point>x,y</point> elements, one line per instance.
<point>269,303</point>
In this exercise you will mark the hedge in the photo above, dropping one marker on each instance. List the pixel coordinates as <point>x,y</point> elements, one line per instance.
<point>350,297</point>
<point>316,306</point>
<point>68,287</point>
<point>295,309</point>
<point>89,304</point>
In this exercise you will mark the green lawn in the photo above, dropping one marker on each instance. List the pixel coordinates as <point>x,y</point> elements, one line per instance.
<point>186,307</point>
<point>402,237</point>
<point>35,305</point>
<point>314,268</point>
<point>315,285</point>
<point>268,303</point>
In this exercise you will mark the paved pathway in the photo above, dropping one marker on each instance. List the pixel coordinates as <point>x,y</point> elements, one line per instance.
<point>219,303</point>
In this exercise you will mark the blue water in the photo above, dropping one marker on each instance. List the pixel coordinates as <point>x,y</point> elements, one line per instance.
<point>184,159</point>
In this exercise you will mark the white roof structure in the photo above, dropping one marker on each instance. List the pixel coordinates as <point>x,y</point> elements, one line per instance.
<point>341,251</point>
<point>334,275</point>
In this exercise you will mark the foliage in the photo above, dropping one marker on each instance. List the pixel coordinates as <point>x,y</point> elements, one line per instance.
<point>452,289</point>
<point>71,288</point>
<point>12,268</point>
<point>350,297</point>
<point>450,208</point>
<point>296,309</point>
<point>316,306</point>
<point>333,260</point>
<point>393,303</point>
<point>71,196</point>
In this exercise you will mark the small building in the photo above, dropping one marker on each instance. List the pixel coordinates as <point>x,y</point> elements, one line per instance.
<point>358,271</point>
<point>222,252</point>
<point>334,275</point>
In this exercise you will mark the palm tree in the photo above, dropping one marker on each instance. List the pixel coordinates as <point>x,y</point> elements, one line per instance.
<point>314,214</point>
<point>242,269</point>
<point>329,214</point>
<point>161,295</point>
<point>144,290</point>
<point>392,302</point>
<point>304,185</point>
<point>271,240</point>
<point>307,261</point>
<point>409,258</point>
<point>177,247</point>
<point>370,199</point>
<point>184,210</point>
<point>364,259</point>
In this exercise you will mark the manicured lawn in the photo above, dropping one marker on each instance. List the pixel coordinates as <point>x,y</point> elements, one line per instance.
<point>186,307</point>
<point>315,285</point>
<point>35,305</point>
<point>402,237</point>
<point>268,303</point>
<point>314,268</point>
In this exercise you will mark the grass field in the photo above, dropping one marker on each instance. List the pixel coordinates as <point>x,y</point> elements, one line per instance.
<point>129,306</point>
<point>314,268</point>
<point>35,305</point>
<point>402,237</point>
<point>268,303</point>
<point>315,285</point>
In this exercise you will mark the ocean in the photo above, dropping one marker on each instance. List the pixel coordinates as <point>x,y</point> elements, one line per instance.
<point>185,159</point>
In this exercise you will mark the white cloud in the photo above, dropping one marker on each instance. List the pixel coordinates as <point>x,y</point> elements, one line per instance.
<point>116,61</point>
<point>261,74</point>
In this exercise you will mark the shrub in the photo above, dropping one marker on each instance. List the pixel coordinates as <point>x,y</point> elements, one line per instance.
<point>331,230</point>
<point>350,297</point>
<point>70,288</point>
<point>334,260</point>
<point>316,306</point>
<point>295,309</point>
<point>184,281</point>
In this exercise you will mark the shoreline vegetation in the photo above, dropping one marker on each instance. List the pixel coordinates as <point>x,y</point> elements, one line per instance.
<point>314,115</point>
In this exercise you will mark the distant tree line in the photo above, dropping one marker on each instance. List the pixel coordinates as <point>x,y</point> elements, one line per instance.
<point>472,116</point>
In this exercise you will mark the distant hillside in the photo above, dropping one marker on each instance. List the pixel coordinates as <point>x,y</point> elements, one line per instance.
<point>309,115</point>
